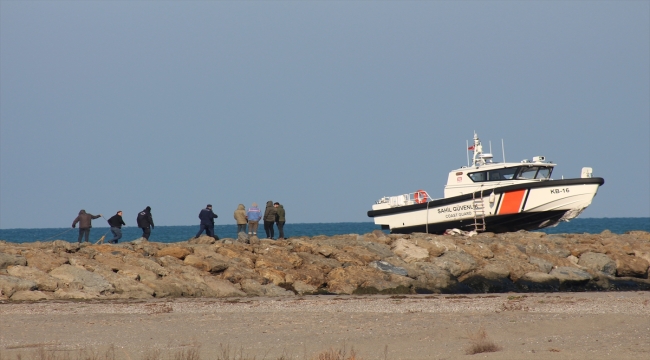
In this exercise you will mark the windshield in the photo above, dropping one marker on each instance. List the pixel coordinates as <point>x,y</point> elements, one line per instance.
<point>534,172</point>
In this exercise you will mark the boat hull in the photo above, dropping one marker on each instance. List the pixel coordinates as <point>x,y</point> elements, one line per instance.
<point>526,206</point>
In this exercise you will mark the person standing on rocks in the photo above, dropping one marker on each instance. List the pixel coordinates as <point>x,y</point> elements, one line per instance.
<point>116,222</point>
<point>254,215</point>
<point>269,219</point>
<point>280,219</point>
<point>145,222</point>
<point>241,218</point>
<point>207,222</point>
<point>85,223</point>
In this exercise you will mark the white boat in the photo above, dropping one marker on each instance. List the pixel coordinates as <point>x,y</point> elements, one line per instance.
<point>490,196</point>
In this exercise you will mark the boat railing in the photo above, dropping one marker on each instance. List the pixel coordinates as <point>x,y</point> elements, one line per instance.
<point>416,197</point>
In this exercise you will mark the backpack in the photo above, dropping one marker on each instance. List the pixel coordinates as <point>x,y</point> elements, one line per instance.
<point>142,217</point>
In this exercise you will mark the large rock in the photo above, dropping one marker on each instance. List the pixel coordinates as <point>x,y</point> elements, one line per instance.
<point>222,288</point>
<point>494,277</point>
<point>10,284</point>
<point>174,251</point>
<point>632,266</point>
<point>455,262</point>
<point>44,282</point>
<point>408,251</point>
<point>361,279</point>
<point>253,288</point>
<point>570,276</point>
<point>387,267</point>
<point>432,279</point>
<point>598,262</point>
<point>9,260</point>
<point>542,264</point>
<point>91,282</point>
<point>24,295</point>
<point>45,261</point>
<point>211,265</point>
<point>538,282</point>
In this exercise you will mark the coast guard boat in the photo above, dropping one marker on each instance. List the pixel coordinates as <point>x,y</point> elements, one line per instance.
<point>490,196</point>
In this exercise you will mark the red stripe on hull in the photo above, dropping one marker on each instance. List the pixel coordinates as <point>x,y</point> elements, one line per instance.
<point>511,202</point>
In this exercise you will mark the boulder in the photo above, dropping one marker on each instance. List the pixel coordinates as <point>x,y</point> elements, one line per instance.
<point>387,267</point>
<point>538,282</point>
<point>126,286</point>
<point>91,282</point>
<point>571,275</point>
<point>253,288</point>
<point>164,288</point>
<point>598,262</point>
<point>494,277</point>
<point>174,251</point>
<point>455,262</point>
<point>10,284</point>
<point>242,237</point>
<point>302,288</point>
<point>24,295</point>
<point>9,260</point>
<point>361,280</point>
<point>146,264</point>
<point>312,275</point>
<point>202,240</point>
<point>45,261</point>
<point>543,265</point>
<point>44,282</point>
<point>631,266</point>
<point>211,265</point>
<point>431,278</point>
<point>408,251</point>
<point>222,288</point>
<point>74,294</point>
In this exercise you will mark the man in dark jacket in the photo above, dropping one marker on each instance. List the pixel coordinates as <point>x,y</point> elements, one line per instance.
<point>85,223</point>
<point>280,219</point>
<point>145,222</point>
<point>116,223</point>
<point>207,222</point>
<point>269,219</point>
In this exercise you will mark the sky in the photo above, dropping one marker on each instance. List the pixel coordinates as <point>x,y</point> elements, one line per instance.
<point>322,106</point>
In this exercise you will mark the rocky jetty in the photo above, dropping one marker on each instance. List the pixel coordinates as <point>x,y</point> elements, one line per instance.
<point>374,263</point>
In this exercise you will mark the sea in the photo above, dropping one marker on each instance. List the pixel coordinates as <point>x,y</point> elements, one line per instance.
<point>171,234</point>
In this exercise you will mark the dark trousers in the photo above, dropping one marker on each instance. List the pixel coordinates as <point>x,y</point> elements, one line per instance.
<point>268,228</point>
<point>209,230</point>
<point>85,231</point>
<point>241,228</point>
<point>117,234</point>
<point>280,229</point>
<point>146,232</point>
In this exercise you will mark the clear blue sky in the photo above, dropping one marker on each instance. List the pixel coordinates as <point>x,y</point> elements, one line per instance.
<point>322,106</point>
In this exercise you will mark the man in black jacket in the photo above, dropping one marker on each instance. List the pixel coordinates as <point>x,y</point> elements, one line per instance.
<point>85,223</point>
<point>116,223</point>
<point>207,222</point>
<point>145,222</point>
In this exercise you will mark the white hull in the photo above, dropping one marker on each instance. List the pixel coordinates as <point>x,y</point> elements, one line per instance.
<point>526,206</point>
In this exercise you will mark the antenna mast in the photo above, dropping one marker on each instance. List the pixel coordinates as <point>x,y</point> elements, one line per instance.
<point>503,151</point>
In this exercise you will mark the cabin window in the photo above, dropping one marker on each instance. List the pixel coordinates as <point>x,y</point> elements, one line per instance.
<point>544,173</point>
<point>477,176</point>
<point>528,173</point>
<point>502,174</point>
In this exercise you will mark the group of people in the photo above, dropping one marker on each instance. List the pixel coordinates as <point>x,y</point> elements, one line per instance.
<point>273,214</point>
<point>144,220</point>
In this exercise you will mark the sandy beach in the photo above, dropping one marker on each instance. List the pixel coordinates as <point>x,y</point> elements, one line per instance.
<point>593,325</point>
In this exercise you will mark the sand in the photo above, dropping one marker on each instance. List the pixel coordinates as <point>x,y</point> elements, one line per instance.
<point>605,325</point>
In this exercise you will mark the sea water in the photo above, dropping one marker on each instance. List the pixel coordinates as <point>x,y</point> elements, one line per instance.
<point>169,234</point>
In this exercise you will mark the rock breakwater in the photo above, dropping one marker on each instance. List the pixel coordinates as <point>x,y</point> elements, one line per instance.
<point>373,263</point>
